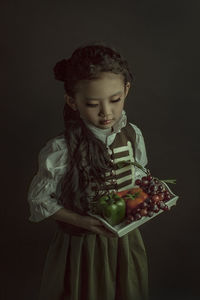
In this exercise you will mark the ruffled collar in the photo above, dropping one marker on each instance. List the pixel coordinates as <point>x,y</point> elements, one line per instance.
<point>106,132</point>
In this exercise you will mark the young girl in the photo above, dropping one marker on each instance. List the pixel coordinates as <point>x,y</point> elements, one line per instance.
<point>86,261</point>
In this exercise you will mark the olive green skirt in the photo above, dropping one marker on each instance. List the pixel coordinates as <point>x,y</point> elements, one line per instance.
<point>86,266</point>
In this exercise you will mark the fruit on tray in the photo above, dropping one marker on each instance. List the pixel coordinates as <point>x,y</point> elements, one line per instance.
<point>112,208</point>
<point>149,196</point>
<point>156,200</point>
<point>134,198</point>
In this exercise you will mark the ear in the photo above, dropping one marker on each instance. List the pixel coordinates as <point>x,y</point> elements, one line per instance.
<point>127,87</point>
<point>70,101</point>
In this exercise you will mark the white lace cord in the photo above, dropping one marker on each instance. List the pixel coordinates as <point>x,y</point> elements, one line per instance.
<point>124,163</point>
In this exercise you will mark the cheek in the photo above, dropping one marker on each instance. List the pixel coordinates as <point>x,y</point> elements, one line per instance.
<point>121,106</point>
<point>91,114</point>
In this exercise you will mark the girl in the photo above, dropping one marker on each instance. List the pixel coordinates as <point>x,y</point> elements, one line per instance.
<point>85,261</point>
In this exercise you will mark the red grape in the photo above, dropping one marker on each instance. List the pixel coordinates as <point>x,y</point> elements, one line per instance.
<point>167,192</point>
<point>155,198</point>
<point>131,218</point>
<point>161,196</point>
<point>138,182</point>
<point>156,181</point>
<point>150,177</point>
<point>143,212</point>
<point>145,182</point>
<point>167,197</point>
<point>144,204</point>
<point>150,213</point>
<point>153,188</point>
<point>160,188</point>
<point>155,208</point>
<point>144,188</point>
<point>161,204</point>
<point>166,208</point>
<point>138,216</point>
<point>148,200</point>
<point>128,221</point>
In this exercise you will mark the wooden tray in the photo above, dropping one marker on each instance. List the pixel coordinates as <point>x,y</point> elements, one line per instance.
<point>123,228</point>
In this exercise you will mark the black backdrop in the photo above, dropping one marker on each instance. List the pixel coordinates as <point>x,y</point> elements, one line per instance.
<point>160,39</point>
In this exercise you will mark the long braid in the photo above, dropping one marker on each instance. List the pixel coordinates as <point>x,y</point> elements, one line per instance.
<point>83,146</point>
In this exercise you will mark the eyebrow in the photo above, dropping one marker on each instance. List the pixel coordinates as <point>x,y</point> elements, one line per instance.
<point>87,98</point>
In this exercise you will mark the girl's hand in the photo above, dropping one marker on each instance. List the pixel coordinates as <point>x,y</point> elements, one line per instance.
<point>94,225</point>
<point>86,222</point>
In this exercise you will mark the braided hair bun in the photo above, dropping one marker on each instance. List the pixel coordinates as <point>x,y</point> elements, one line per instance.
<point>61,70</point>
<point>87,62</point>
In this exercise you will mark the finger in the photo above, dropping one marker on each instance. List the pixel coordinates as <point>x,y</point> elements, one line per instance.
<point>95,221</point>
<point>110,233</point>
<point>103,231</point>
<point>108,230</point>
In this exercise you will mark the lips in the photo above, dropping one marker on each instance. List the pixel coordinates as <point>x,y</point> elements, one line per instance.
<point>106,122</point>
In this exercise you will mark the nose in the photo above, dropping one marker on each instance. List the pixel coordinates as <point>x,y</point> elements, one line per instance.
<point>105,111</point>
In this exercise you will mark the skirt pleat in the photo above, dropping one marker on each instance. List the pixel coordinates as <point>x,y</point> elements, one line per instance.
<point>132,269</point>
<point>54,268</point>
<point>94,267</point>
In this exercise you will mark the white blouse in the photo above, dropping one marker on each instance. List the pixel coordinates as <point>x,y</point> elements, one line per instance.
<point>52,164</point>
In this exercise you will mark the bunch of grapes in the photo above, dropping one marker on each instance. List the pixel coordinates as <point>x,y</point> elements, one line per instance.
<point>158,195</point>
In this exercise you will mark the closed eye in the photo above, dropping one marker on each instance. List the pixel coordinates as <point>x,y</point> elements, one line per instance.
<point>94,105</point>
<point>117,100</point>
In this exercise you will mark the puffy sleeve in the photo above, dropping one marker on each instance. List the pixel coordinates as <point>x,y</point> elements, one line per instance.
<point>44,188</point>
<point>140,151</point>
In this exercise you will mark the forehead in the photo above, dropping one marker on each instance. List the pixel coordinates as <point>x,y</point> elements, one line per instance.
<point>107,84</point>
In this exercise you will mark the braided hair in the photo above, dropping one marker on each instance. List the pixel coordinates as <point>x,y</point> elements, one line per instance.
<point>85,63</point>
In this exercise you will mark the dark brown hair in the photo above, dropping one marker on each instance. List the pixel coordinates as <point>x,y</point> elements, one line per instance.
<point>87,155</point>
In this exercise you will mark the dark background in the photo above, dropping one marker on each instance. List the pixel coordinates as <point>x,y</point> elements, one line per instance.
<point>160,39</point>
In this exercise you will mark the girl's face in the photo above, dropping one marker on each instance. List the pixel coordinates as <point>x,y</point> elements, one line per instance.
<point>100,100</point>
